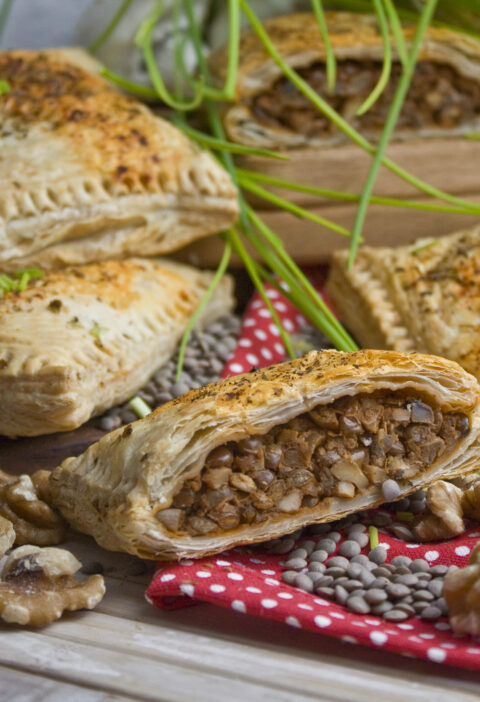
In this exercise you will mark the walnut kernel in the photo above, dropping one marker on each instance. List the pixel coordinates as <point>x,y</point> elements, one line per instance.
<point>461,590</point>
<point>34,521</point>
<point>446,518</point>
<point>37,585</point>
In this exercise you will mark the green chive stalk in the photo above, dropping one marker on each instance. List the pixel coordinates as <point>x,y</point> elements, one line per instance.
<point>387,61</point>
<point>219,273</point>
<point>392,117</point>
<point>330,60</point>
<point>342,124</point>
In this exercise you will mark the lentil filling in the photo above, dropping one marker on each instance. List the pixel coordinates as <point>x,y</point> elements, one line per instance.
<point>438,97</point>
<point>340,449</point>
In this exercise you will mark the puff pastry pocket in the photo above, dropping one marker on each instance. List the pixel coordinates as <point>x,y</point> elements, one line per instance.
<point>263,454</point>
<point>268,111</point>
<point>89,174</point>
<point>83,339</point>
<point>423,297</point>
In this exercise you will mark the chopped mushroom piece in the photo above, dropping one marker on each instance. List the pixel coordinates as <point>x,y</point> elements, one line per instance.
<point>461,590</point>
<point>37,585</point>
<point>33,520</point>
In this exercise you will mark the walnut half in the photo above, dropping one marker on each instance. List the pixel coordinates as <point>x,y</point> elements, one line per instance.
<point>446,519</point>
<point>37,585</point>
<point>33,520</point>
<point>461,590</point>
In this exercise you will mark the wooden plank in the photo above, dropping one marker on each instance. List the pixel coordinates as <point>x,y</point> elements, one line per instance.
<point>280,668</point>
<point>29,687</point>
<point>122,671</point>
<point>309,243</point>
<point>449,164</point>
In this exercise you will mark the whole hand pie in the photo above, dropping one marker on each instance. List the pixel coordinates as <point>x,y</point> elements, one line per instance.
<point>260,455</point>
<point>89,174</point>
<point>269,111</point>
<point>82,339</point>
<point>423,297</point>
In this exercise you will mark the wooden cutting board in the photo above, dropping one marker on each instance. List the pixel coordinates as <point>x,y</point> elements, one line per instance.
<point>449,164</point>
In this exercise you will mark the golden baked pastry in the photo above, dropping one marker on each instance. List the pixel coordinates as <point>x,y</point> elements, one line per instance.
<point>268,111</point>
<point>263,454</point>
<point>84,338</point>
<point>89,174</point>
<point>414,298</point>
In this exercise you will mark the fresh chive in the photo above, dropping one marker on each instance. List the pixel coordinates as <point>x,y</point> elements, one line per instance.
<point>238,247</point>
<point>397,32</point>
<point>348,197</point>
<point>222,267</point>
<point>303,294</point>
<point>421,247</point>
<point>387,60</point>
<point>228,91</point>
<point>342,124</point>
<point>373,532</point>
<point>296,210</point>
<point>136,88</point>
<point>224,145</point>
<point>23,282</point>
<point>392,117</point>
<point>405,516</point>
<point>140,407</point>
<point>330,60</point>
<point>143,40</point>
<point>111,26</point>
<point>97,331</point>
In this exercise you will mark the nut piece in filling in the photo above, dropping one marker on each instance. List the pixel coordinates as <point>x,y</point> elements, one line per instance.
<point>342,449</point>
<point>438,97</point>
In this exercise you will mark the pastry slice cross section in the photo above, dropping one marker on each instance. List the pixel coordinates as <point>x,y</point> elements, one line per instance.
<point>260,455</point>
<point>268,110</point>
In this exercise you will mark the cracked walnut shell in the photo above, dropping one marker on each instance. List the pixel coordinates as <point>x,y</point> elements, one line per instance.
<point>33,520</point>
<point>461,590</point>
<point>38,584</point>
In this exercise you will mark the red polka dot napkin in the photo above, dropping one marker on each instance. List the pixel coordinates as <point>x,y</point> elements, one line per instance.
<point>248,580</point>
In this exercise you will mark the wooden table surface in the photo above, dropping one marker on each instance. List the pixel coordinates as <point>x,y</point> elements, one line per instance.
<point>127,650</point>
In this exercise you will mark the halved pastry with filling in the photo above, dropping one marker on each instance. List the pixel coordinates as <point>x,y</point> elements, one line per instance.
<point>90,174</point>
<point>269,111</point>
<point>260,455</point>
<point>422,297</point>
<point>82,339</point>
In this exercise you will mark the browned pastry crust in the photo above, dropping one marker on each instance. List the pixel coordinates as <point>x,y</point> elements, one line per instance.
<point>85,338</point>
<point>357,43</point>
<point>88,173</point>
<point>120,489</point>
<point>414,298</point>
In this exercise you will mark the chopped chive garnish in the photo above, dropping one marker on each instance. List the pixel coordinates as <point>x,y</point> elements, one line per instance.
<point>373,532</point>
<point>140,407</point>
<point>97,331</point>
<point>405,516</point>
<point>4,87</point>
<point>426,245</point>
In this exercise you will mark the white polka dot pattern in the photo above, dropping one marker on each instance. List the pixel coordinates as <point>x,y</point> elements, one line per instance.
<point>249,581</point>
